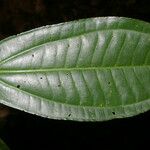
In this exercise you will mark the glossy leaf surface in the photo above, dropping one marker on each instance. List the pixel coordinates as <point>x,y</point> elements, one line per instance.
<point>88,70</point>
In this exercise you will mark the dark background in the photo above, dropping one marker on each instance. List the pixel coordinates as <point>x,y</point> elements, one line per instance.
<point>22,131</point>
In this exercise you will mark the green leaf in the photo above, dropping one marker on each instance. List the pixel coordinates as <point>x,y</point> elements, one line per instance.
<point>3,146</point>
<point>88,70</point>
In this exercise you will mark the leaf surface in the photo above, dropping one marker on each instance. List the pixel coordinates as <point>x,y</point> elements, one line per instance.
<point>87,70</point>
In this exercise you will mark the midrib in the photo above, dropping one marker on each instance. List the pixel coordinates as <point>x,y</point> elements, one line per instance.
<point>2,71</point>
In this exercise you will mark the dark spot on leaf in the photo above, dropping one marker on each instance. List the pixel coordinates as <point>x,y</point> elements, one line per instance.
<point>41,78</point>
<point>32,55</point>
<point>69,115</point>
<point>108,82</point>
<point>113,113</point>
<point>59,85</point>
<point>18,86</point>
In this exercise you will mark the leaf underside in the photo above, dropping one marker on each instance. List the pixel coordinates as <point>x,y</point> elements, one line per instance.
<point>88,70</point>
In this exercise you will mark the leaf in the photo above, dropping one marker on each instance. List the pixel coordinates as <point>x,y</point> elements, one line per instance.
<point>88,70</point>
<point>3,146</point>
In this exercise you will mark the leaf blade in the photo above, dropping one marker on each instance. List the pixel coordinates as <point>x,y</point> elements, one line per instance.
<point>90,76</point>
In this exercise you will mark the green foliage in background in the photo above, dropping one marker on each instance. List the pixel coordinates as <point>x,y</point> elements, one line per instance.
<point>3,146</point>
